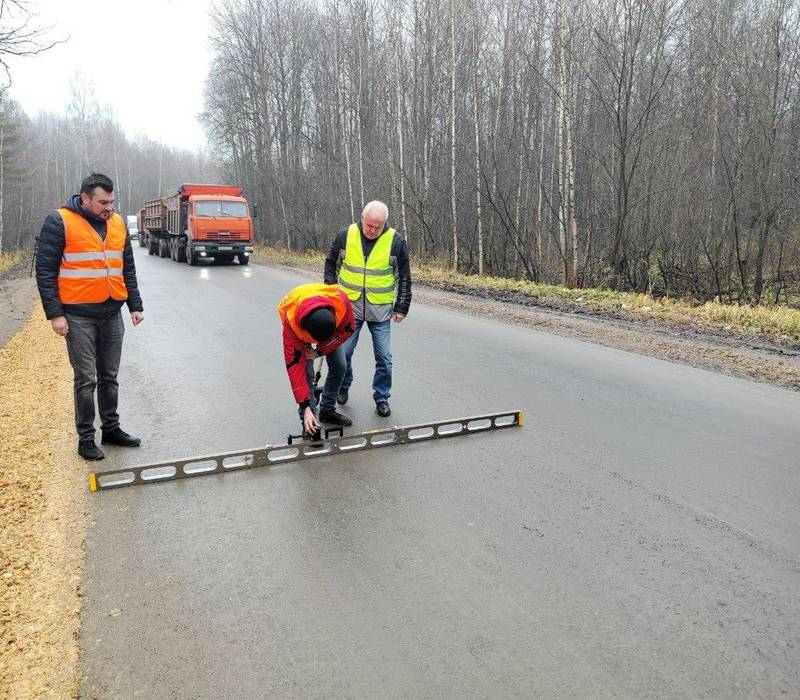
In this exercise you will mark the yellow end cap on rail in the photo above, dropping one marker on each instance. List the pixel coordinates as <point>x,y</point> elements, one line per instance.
<point>92,482</point>
<point>521,418</point>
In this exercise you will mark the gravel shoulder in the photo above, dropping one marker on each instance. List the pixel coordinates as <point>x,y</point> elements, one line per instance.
<point>43,510</point>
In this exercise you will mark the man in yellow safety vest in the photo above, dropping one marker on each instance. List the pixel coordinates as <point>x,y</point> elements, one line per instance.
<point>370,263</point>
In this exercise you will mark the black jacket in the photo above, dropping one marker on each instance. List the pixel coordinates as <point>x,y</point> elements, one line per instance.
<point>48,261</point>
<point>399,252</point>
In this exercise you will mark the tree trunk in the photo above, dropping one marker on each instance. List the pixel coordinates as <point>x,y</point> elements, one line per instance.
<point>340,109</point>
<point>539,198</point>
<point>523,148</point>
<point>393,167</point>
<point>400,148</point>
<point>563,201</point>
<point>359,139</point>
<point>20,218</point>
<point>453,132</point>
<point>476,121</point>
<point>565,98</point>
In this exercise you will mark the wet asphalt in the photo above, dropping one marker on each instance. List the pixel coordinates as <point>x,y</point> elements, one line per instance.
<point>638,537</point>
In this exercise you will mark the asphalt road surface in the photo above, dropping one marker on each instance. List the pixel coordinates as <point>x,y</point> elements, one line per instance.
<point>639,537</point>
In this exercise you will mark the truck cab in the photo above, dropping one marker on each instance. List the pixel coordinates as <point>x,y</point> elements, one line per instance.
<point>209,222</point>
<point>219,226</point>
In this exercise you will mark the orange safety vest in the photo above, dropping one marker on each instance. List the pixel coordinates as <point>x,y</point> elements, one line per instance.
<point>288,306</point>
<point>91,268</point>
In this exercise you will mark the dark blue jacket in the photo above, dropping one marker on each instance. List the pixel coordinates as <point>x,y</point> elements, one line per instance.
<point>49,252</point>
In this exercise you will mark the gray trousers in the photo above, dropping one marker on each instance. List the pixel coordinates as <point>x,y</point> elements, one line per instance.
<point>95,349</point>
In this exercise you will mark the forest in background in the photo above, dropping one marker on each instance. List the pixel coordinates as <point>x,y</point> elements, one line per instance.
<point>43,160</point>
<point>646,145</point>
<point>642,145</point>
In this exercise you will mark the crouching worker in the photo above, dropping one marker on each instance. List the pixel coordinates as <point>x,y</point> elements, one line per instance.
<point>317,319</point>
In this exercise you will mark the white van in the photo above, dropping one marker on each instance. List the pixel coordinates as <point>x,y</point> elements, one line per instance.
<point>133,229</point>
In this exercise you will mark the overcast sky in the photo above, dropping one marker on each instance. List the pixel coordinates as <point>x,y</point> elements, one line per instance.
<point>147,60</point>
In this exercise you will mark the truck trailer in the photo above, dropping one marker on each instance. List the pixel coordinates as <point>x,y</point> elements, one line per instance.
<point>210,222</point>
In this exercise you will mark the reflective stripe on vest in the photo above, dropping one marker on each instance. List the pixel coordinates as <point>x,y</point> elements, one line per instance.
<point>93,256</point>
<point>91,268</point>
<point>287,307</point>
<point>375,275</point>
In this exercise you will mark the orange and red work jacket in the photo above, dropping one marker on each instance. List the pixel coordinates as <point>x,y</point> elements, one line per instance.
<point>293,309</point>
<point>91,268</point>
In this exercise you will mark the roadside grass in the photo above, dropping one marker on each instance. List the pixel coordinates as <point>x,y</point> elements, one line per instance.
<point>9,260</point>
<point>773,320</point>
<point>283,256</point>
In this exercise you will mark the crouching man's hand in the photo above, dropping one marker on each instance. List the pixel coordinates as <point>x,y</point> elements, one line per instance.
<point>310,422</point>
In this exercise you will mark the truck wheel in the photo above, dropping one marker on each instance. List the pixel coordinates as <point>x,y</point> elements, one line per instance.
<point>152,248</point>
<point>163,251</point>
<point>191,258</point>
<point>243,259</point>
<point>180,251</point>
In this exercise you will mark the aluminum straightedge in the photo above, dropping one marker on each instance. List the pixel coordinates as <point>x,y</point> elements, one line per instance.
<point>279,454</point>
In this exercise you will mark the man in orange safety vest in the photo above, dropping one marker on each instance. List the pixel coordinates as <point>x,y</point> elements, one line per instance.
<point>85,272</point>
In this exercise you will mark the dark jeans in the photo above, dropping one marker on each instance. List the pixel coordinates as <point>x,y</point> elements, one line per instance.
<point>95,348</point>
<point>333,381</point>
<point>382,379</point>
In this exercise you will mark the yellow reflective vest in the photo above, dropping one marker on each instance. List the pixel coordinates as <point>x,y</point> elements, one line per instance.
<point>376,276</point>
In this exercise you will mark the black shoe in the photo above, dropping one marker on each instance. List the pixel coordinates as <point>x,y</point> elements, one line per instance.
<point>382,408</point>
<point>335,418</point>
<point>118,436</point>
<point>342,397</point>
<point>88,450</point>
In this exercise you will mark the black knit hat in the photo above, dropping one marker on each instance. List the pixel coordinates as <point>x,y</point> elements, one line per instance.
<point>320,324</point>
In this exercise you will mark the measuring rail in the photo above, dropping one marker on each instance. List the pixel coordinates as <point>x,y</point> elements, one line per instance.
<point>279,454</point>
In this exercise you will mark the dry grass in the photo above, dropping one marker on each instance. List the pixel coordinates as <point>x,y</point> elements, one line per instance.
<point>9,260</point>
<point>43,513</point>
<point>775,321</point>
<point>781,320</point>
<point>287,257</point>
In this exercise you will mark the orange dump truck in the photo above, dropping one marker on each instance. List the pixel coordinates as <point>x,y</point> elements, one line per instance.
<point>211,222</point>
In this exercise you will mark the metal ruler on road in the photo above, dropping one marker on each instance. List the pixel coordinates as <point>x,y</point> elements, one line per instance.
<point>279,454</point>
